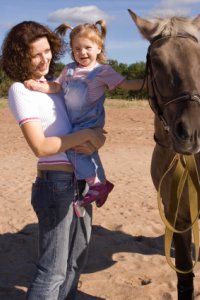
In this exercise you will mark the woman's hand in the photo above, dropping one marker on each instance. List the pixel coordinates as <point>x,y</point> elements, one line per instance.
<point>98,137</point>
<point>96,141</point>
<point>86,148</point>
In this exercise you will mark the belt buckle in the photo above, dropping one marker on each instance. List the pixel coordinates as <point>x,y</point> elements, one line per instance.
<point>42,174</point>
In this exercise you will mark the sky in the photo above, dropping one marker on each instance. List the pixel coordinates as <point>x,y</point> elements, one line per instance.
<point>123,41</point>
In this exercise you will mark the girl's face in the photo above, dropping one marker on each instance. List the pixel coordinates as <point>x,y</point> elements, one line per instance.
<point>40,58</point>
<point>85,51</point>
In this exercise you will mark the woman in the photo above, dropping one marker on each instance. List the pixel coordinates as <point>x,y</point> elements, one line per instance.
<point>84,82</point>
<point>30,51</point>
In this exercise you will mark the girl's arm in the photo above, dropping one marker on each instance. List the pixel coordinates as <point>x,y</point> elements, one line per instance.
<point>132,85</point>
<point>48,87</point>
<point>46,146</point>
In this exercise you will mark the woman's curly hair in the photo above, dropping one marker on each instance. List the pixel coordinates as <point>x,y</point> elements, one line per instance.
<point>16,58</point>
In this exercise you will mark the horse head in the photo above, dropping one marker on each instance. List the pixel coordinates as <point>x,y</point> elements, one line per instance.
<point>173,80</point>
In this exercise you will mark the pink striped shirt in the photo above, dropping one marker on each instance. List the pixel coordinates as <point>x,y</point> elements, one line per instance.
<point>106,78</point>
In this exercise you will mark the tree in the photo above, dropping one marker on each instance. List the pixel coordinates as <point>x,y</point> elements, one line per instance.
<point>5,82</point>
<point>133,71</point>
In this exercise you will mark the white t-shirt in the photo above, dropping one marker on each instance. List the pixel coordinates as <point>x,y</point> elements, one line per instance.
<point>49,109</point>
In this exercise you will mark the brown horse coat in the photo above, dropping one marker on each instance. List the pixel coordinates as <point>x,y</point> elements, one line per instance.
<point>174,88</point>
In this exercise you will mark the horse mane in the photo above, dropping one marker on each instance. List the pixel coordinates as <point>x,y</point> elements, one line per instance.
<point>175,25</point>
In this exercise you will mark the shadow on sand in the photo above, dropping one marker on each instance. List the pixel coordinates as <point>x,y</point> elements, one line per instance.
<point>18,254</point>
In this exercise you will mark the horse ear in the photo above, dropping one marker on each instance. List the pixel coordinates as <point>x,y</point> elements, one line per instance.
<point>196,22</point>
<point>146,27</point>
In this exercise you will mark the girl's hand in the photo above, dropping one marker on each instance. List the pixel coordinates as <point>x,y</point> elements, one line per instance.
<point>43,86</point>
<point>32,85</point>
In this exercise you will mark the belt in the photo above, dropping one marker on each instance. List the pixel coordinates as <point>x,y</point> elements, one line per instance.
<point>54,175</point>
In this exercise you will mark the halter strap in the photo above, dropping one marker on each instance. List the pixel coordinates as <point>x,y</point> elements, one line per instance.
<point>185,172</point>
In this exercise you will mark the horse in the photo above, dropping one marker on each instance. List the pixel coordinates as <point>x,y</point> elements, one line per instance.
<point>173,83</point>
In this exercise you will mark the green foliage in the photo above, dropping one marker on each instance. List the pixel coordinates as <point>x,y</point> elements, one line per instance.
<point>133,71</point>
<point>5,82</point>
<point>58,68</point>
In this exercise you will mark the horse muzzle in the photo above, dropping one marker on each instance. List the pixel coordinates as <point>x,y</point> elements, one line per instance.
<point>185,138</point>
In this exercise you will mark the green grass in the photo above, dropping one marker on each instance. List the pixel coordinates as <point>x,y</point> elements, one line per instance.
<point>120,103</point>
<point>110,103</point>
<point>3,102</point>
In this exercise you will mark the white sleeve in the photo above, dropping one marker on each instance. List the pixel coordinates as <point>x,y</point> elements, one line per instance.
<point>23,104</point>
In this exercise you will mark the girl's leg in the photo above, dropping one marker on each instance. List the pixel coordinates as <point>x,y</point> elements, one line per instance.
<point>87,166</point>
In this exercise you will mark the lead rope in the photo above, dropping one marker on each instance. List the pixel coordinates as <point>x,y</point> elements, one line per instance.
<point>185,173</point>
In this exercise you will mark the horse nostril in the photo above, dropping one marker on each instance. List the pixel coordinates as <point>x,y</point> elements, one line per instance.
<point>181,131</point>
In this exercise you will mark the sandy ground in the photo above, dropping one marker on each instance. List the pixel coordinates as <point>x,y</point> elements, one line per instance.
<point>126,259</point>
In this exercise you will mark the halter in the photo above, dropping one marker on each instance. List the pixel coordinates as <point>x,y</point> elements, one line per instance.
<point>153,100</point>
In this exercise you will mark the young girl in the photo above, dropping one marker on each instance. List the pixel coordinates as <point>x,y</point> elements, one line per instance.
<point>84,83</point>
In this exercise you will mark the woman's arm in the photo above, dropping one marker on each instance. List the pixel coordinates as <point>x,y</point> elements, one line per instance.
<point>46,146</point>
<point>48,87</point>
<point>132,85</point>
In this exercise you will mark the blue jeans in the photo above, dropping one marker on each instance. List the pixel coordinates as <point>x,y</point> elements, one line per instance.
<point>86,166</point>
<point>63,238</point>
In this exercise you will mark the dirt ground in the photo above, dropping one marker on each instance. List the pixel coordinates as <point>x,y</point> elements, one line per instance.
<point>126,260</point>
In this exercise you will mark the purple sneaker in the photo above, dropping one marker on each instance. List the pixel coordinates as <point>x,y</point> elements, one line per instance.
<point>100,202</point>
<point>98,193</point>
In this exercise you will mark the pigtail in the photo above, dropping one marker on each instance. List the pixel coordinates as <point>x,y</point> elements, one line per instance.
<point>103,28</point>
<point>62,29</point>
<point>101,58</point>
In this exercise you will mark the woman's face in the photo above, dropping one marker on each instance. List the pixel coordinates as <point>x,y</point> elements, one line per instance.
<point>40,58</point>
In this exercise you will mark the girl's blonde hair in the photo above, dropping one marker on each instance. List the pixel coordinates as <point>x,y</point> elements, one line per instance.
<point>92,32</point>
